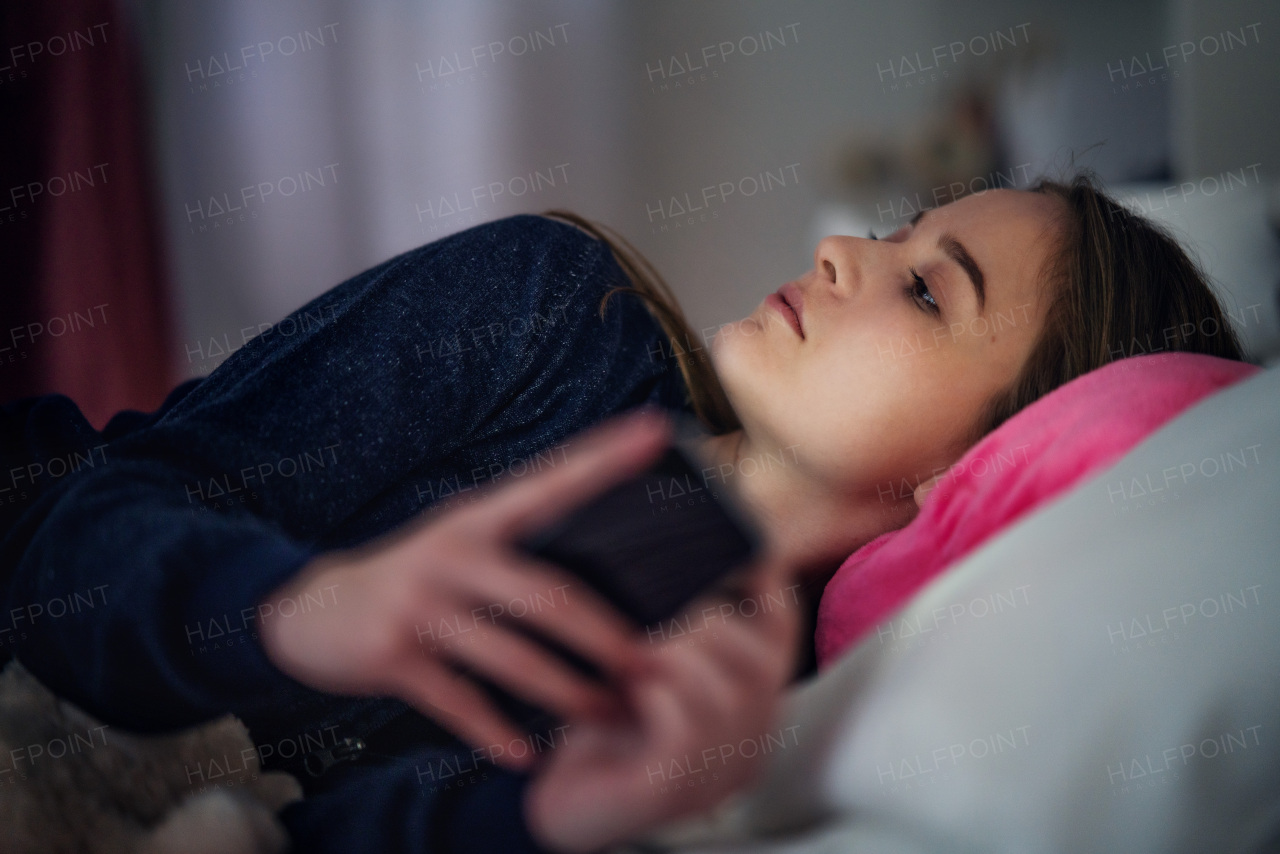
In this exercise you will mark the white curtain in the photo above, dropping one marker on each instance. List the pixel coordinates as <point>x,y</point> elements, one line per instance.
<point>301,141</point>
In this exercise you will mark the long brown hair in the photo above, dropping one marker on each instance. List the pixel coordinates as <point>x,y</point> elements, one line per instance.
<point>706,396</point>
<point>1121,286</point>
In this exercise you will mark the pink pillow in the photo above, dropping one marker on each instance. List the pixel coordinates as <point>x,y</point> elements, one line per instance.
<point>1063,438</point>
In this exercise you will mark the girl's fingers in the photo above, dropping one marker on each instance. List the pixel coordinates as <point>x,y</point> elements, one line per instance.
<point>750,657</point>
<point>698,709</point>
<point>601,457</point>
<point>754,645</point>
<point>664,717</point>
<point>565,609</point>
<point>459,706</point>
<point>745,647</point>
<point>707,690</point>
<point>525,669</point>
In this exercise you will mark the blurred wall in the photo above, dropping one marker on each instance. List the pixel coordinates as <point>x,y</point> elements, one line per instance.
<point>708,134</point>
<point>1228,106</point>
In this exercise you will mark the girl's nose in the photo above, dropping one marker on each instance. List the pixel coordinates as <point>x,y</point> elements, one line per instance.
<point>836,261</point>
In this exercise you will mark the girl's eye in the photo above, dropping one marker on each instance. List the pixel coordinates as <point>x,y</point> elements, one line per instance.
<point>918,291</point>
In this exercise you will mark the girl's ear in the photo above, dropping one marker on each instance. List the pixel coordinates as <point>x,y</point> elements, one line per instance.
<point>922,491</point>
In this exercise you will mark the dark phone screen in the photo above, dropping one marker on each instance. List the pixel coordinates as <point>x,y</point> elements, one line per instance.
<point>652,543</point>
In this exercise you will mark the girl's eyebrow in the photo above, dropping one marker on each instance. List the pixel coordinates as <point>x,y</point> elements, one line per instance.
<point>955,250</point>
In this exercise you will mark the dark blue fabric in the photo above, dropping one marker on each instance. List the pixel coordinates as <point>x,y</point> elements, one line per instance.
<point>481,810</point>
<point>408,385</point>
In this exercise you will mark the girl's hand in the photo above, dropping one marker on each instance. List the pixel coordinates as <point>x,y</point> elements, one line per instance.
<point>695,731</point>
<point>442,592</point>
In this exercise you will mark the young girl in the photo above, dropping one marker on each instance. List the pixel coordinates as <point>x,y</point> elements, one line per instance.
<point>235,535</point>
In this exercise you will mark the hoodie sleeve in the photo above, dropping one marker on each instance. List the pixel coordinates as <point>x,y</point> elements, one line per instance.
<point>135,584</point>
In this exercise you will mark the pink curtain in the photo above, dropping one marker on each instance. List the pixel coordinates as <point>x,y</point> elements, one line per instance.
<point>84,306</point>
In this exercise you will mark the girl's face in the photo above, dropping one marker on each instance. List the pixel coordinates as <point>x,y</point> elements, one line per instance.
<point>872,368</point>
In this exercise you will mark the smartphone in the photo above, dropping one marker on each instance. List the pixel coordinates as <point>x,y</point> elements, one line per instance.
<point>647,545</point>
<point>654,542</point>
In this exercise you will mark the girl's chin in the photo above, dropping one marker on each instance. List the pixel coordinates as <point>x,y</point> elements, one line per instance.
<point>740,335</point>
<point>723,343</point>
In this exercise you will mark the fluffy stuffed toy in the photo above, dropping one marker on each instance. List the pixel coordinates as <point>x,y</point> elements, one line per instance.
<point>71,784</point>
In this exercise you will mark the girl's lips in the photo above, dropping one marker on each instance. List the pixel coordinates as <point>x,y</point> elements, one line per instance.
<point>788,302</point>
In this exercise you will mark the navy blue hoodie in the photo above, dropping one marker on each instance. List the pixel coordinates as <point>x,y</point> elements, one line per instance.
<point>134,558</point>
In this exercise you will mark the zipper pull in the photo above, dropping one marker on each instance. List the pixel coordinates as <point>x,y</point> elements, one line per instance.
<point>348,750</point>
